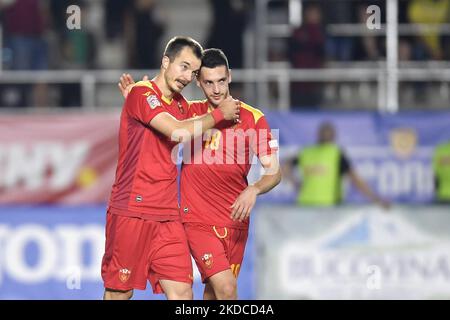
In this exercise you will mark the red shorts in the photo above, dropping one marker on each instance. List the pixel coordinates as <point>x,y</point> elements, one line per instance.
<point>138,250</point>
<point>216,249</point>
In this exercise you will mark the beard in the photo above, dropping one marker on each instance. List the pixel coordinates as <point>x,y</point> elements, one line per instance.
<point>174,84</point>
<point>221,97</point>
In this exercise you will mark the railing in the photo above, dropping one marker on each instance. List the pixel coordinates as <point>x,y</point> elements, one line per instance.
<point>282,77</point>
<point>409,29</point>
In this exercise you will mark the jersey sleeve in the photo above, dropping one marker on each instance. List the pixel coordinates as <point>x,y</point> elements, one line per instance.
<point>196,109</point>
<point>143,104</point>
<point>264,143</point>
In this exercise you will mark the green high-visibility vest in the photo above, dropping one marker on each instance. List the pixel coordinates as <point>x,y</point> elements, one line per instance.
<point>441,166</point>
<point>319,167</point>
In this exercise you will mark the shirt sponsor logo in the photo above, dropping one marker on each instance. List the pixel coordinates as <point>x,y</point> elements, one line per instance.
<point>153,101</point>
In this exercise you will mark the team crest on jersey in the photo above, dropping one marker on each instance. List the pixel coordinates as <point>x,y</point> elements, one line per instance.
<point>153,101</point>
<point>207,259</point>
<point>180,107</point>
<point>124,275</point>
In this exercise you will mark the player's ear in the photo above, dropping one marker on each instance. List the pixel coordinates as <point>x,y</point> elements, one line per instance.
<point>229,75</point>
<point>197,78</point>
<point>165,62</point>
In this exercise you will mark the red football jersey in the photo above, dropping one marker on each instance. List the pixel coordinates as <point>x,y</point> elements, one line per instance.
<point>215,166</point>
<point>146,175</point>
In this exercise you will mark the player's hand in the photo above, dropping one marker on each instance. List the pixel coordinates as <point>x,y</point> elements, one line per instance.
<point>230,109</point>
<point>244,204</point>
<point>126,83</point>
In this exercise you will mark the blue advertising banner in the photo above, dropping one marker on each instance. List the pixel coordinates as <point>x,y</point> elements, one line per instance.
<point>55,252</point>
<point>393,153</point>
<point>76,167</point>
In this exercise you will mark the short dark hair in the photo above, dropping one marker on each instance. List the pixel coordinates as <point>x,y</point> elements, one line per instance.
<point>214,58</point>
<point>176,44</point>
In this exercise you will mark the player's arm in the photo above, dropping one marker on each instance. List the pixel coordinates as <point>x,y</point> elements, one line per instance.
<point>182,131</point>
<point>364,188</point>
<point>247,199</point>
<point>347,169</point>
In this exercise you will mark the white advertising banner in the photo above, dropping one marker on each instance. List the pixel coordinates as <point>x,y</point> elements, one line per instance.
<point>353,253</point>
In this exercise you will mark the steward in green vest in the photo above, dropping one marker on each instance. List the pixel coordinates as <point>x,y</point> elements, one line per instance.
<point>441,168</point>
<point>322,168</point>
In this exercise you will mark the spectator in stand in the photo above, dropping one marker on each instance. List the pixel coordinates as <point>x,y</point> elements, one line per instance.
<point>24,23</point>
<point>306,51</point>
<point>367,47</point>
<point>76,48</point>
<point>229,20</point>
<point>115,11</point>
<point>338,47</point>
<point>430,12</point>
<point>143,30</point>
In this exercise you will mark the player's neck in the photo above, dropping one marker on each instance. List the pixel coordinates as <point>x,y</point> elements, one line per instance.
<point>162,85</point>
<point>211,106</point>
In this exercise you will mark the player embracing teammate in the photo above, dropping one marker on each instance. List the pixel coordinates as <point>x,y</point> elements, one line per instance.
<point>216,200</point>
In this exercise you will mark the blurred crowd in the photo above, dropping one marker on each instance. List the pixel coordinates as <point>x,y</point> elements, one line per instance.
<point>113,34</point>
<point>313,45</point>
<point>118,34</point>
<point>37,37</point>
